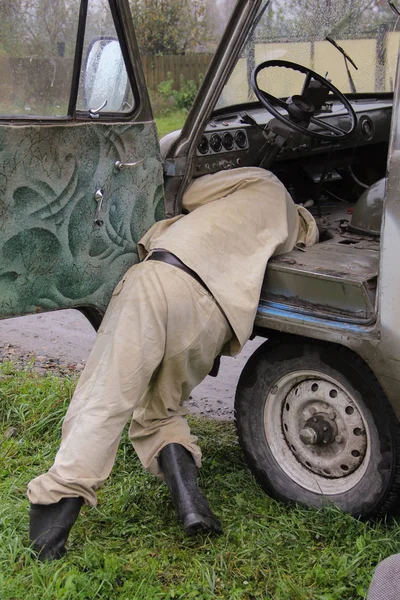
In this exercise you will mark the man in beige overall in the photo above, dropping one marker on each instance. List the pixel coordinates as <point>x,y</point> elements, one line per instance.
<point>193,296</point>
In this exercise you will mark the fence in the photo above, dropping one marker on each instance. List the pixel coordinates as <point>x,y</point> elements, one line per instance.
<point>47,80</point>
<point>24,79</point>
<point>323,58</point>
<point>190,66</point>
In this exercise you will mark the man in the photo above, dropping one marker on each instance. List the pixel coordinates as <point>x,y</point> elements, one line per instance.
<point>194,295</point>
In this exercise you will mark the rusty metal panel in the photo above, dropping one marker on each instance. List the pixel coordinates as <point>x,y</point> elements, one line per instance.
<point>330,279</point>
<point>52,254</point>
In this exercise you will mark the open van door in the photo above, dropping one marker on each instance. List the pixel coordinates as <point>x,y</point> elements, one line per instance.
<point>80,168</point>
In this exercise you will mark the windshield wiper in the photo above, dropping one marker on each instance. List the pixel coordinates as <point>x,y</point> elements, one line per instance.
<point>347,57</point>
<point>394,8</point>
<point>347,60</point>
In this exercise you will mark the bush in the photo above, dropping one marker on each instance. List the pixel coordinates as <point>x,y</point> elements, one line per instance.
<point>161,105</point>
<point>183,97</point>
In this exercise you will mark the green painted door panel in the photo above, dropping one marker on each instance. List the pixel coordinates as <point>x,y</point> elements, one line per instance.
<point>52,254</point>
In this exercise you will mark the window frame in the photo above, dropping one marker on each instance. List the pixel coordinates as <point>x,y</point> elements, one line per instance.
<point>141,110</point>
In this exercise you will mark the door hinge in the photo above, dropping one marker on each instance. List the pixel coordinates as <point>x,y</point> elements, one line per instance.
<point>175,167</point>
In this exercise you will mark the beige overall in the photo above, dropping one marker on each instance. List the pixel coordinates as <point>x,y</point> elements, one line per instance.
<point>163,329</point>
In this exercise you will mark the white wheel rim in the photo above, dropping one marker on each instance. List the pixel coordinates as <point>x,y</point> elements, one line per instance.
<point>323,468</point>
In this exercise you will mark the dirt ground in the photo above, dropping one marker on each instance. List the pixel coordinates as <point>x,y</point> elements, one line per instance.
<point>61,341</point>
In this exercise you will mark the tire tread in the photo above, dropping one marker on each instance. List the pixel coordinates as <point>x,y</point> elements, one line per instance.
<point>250,379</point>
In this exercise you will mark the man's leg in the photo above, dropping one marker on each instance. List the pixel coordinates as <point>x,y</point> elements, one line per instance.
<point>159,431</point>
<point>129,347</point>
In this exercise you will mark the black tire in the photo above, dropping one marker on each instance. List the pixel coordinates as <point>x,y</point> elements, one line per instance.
<point>276,382</point>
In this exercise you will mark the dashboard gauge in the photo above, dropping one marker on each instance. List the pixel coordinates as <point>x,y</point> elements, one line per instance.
<point>227,141</point>
<point>367,127</point>
<point>203,145</point>
<point>240,139</point>
<point>216,142</point>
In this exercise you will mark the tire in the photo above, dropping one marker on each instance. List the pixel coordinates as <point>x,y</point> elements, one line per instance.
<point>348,452</point>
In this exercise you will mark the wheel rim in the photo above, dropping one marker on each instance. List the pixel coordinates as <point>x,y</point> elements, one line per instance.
<point>317,430</point>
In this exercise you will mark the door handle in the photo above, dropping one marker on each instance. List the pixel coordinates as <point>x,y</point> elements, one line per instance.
<point>98,196</point>
<point>95,112</point>
<point>125,165</point>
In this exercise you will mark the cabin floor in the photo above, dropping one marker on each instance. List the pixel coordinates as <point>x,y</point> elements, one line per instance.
<point>336,278</point>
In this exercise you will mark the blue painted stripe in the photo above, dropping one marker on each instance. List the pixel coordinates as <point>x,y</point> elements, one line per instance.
<point>275,311</point>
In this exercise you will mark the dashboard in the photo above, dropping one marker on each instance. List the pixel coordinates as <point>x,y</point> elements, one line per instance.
<point>249,138</point>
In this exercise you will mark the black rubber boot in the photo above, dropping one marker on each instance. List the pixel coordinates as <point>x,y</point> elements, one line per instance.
<point>180,474</point>
<point>50,525</point>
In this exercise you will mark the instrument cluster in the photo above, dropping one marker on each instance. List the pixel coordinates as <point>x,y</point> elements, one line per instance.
<point>219,142</point>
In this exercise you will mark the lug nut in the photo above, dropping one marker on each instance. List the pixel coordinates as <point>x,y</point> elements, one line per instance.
<point>331,414</point>
<point>339,438</point>
<point>308,436</point>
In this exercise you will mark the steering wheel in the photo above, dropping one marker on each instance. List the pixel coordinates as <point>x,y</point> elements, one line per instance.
<point>299,108</point>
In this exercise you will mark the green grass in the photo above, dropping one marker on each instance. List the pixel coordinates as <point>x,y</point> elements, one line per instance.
<point>170,122</point>
<point>132,547</point>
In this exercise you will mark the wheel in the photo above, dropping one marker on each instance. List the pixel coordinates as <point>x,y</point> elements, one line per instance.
<point>300,110</point>
<point>316,427</point>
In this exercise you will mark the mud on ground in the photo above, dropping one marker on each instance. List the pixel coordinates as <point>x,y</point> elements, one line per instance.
<point>60,342</point>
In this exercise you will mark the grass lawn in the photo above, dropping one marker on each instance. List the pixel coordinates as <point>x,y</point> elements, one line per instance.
<point>170,122</point>
<point>132,547</point>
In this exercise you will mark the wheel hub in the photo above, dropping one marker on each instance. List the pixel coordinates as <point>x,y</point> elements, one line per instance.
<point>323,428</point>
<point>319,429</point>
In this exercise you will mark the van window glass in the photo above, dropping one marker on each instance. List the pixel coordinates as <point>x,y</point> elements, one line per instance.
<point>177,40</point>
<point>104,86</point>
<point>298,31</point>
<point>37,45</point>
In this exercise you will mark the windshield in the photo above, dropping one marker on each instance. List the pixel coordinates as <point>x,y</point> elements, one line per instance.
<point>296,30</point>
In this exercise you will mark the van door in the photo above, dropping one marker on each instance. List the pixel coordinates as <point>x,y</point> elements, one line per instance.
<point>80,168</point>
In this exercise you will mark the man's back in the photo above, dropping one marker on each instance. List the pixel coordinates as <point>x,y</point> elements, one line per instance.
<point>237,220</point>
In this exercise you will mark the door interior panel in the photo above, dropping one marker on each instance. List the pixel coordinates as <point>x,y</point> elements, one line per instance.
<point>52,253</point>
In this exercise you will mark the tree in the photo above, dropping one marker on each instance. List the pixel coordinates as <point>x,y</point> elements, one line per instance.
<point>11,26</point>
<point>315,19</point>
<point>340,18</point>
<point>171,26</point>
<point>37,27</point>
<point>50,23</point>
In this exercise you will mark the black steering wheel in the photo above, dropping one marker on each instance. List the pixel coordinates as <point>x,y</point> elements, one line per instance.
<point>299,108</point>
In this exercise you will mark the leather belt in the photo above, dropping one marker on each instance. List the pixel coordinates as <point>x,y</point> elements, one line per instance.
<point>167,257</point>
